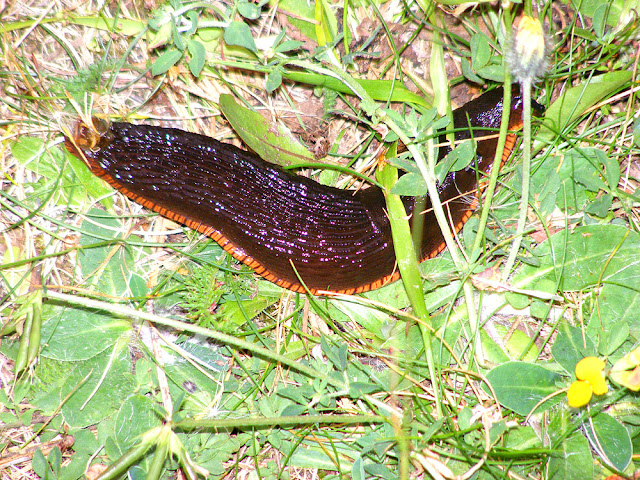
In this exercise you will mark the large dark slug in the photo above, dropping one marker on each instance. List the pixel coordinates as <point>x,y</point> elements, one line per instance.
<point>271,219</point>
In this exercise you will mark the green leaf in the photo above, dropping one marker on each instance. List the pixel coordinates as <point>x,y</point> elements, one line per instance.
<point>597,255</point>
<point>250,11</point>
<point>55,459</point>
<point>312,458</point>
<point>600,206</point>
<point>74,334</point>
<point>193,18</point>
<point>571,460</point>
<point>457,159</point>
<point>29,151</point>
<point>517,300</point>
<point>398,118</point>
<point>616,304</point>
<point>617,9</point>
<point>238,34</point>
<point>381,90</point>
<point>274,80</point>
<point>410,185</point>
<point>430,119</point>
<point>377,470</point>
<point>75,469</point>
<point>95,186</point>
<point>215,451</point>
<point>589,177</point>
<point>288,46</point>
<point>404,163</point>
<point>494,73</point>
<point>178,40</point>
<point>568,347</point>
<point>85,443</point>
<point>520,386</point>
<point>98,386</point>
<point>600,19</point>
<point>492,351</point>
<point>357,470</point>
<point>469,73</point>
<point>165,61</point>
<point>202,386</point>
<point>586,34</point>
<point>370,318</point>
<point>337,354</point>
<point>480,51</point>
<point>301,15</point>
<point>515,342</point>
<point>112,272</point>
<point>299,394</point>
<point>40,465</point>
<point>293,410</point>
<point>122,26</point>
<point>161,36</point>
<point>610,439</point>
<point>198,57</point>
<point>585,257</point>
<point>497,430</point>
<point>521,438</point>
<point>234,313</point>
<point>575,101</point>
<point>270,142</point>
<point>136,415</point>
<point>49,162</point>
<point>358,389</point>
<point>566,180</point>
<point>613,338</point>
<point>611,169</point>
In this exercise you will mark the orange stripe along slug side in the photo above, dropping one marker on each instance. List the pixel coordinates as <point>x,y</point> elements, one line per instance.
<point>273,220</point>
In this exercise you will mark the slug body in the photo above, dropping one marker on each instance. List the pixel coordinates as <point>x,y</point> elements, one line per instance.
<point>286,227</point>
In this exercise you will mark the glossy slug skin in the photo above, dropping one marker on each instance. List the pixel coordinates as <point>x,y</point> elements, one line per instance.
<point>271,219</point>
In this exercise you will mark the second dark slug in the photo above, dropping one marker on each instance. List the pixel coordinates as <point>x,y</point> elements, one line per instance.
<point>273,220</point>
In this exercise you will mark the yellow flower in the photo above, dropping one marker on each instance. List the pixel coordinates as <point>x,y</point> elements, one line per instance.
<point>590,381</point>
<point>527,50</point>
<point>599,385</point>
<point>589,367</point>
<point>579,393</point>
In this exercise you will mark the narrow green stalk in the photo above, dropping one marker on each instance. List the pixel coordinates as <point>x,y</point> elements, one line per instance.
<point>21,357</point>
<point>409,270</point>
<point>486,207</point>
<point>160,455</point>
<point>427,167</point>
<point>120,466</point>
<point>497,161</point>
<point>285,421</point>
<point>221,337</point>
<point>404,447</point>
<point>459,261</point>
<point>527,59</point>
<point>526,174</point>
<point>157,465</point>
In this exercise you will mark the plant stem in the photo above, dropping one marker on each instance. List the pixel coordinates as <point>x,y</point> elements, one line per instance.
<point>219,336</point>
<point>270,422</point>
<point>526,174</point>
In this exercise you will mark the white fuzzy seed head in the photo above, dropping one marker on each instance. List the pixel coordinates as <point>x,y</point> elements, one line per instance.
<point>527,50</point>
